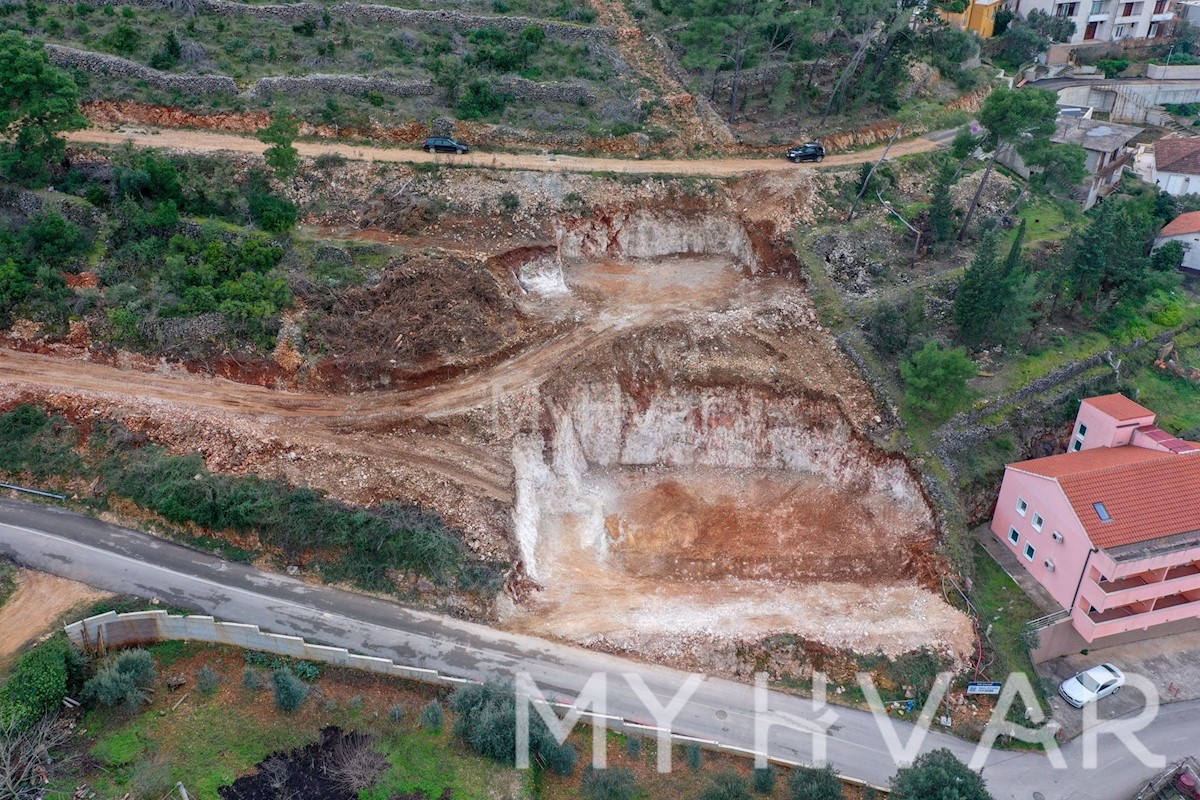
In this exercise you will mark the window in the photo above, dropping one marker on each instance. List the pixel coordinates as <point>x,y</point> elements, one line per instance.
<point>1022,506</point>
<point>1077,446</point>
<point>1102,512</point>
<point>1160,6</point>
<point>1029,552</point>
<point>1013,536</point>
<point>1038,522</point>
<point>1082,430</point>
<point>1066,9</point>
<point>1097,6</point>
<point>1127,10</point>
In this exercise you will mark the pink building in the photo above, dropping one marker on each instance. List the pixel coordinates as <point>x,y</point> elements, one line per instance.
<point>1110,528</point>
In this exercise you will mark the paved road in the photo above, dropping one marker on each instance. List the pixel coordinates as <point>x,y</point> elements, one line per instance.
<point>211,142</point>
<point>120,560</point>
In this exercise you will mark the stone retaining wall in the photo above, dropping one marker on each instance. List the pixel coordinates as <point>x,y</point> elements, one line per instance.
<point>339,84</point>
<point>102,64</point>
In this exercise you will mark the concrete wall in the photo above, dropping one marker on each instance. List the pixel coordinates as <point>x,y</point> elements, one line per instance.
<point>139,627</point>
<point>119,630</point>
<point>1061,639</point>
<point>1162,72</point>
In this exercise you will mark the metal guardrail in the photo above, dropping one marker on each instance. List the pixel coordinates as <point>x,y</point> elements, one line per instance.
<point>27,490</point>
<point>1047,621</point>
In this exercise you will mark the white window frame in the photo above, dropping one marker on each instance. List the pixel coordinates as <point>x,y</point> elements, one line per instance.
<point>1077,446</point>
<point>1022,506</point>
<point>1038,522</point>
<point>1030,552</point>
<point>1014,536</point>
<point>1082,432</point>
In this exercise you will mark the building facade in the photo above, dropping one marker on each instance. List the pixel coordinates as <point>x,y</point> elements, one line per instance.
<point>1184,229</point>
<point>978,18</point>
<point>1111,528</point>
<point>1105,20</point>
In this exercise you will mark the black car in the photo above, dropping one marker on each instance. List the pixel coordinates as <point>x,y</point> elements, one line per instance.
<point>813,151</point>
<point>444,144</point>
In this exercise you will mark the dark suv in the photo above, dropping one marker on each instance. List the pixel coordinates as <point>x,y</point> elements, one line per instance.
<point>444,144</point>
<point>813,151</point>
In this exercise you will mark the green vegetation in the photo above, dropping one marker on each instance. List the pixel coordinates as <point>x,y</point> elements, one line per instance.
<point>808,783</point>
<point>123,681</point>
<point>364,547</point>
<point>485,718</point>
<point>39,680</point>
<point>290,691</point>
<point>935,379</point>
<point>726,786</point>
<point>432,716</point>
<point>1003,607</point>
<point>938,774</point>
<point>37,103</point>
<point>613,783</point>
<point>8,580</point>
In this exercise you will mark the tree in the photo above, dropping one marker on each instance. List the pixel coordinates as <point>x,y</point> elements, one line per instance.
<point>614,783</point>
<point>938,775</point>
<point>281,156</point>
<point>887,329</point>
<point>816,784</point>
<point>290,691</point>
<point>1056,168</point>
<point>979,296</point>
<point>727,786</point>
<point>37,102</point>
<point>941,207</point>
<point>935,379</point>
<point>1017,119</point>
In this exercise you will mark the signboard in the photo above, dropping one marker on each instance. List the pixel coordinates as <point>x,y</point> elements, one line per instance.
<point>984,688</point>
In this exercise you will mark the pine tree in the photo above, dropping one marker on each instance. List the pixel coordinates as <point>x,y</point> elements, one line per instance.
<point>941,210</point>
<point>981,294</point>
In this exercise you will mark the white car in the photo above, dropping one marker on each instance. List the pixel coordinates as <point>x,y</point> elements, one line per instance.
<point>1090,685</point>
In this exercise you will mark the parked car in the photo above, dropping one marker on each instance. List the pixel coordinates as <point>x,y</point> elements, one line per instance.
<point>1090,685</point>
<point>812,151</point>
<point>444,144</point>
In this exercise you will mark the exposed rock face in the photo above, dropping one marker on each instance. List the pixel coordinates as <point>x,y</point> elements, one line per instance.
<point>643,233</point>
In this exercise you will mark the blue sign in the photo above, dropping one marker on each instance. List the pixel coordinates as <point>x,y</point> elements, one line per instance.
<point>984,688</point>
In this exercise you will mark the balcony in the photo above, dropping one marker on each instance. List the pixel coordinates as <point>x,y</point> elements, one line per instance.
<point>1099,624</point>
<point>1165,16</point>
<point>1135,589</point>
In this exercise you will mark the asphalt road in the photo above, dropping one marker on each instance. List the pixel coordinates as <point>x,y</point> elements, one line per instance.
<point>120,560</point>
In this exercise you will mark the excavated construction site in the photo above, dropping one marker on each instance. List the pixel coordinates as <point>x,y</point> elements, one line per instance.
<point>631,401</point>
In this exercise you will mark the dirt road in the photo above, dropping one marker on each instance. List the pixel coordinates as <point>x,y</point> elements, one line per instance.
<point>208,142</point>
<point>40,599</point>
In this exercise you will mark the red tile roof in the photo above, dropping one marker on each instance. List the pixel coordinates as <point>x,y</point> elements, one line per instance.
<point>1164,439</point>
<point>1178,155</point>
<point>1118,406</point>
<point>1148,494</point>
<point>1184,223</point>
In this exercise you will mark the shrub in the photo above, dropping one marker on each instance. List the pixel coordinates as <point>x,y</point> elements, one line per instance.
<point>509,203</point>
<point>694,756</point>
<point>931,773</point>
<point>432,716</point>
<point>608,784</point>
<point>122,681</point>
<point>207,680</point>
<point>480,100</point>
<point>251,679</point>
<point>38,682</point>
<point>271,213</point>
<point>485,718</point>
<point>355,703</point>
<point>330,161</point>
<point>763,779</point>
<point>727,786</point>
<point>290,691</point>
<point>396,714</point>
<point>633,746</point>
<point>123,39</point>
<point>808,783</point>
<point>887,329</point>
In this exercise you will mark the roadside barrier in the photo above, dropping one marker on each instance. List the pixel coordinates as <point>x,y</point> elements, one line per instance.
<point>99,633</point>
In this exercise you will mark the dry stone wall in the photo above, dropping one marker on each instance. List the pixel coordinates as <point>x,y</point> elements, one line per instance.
<point>102,64</point>
<point>338,84</point>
